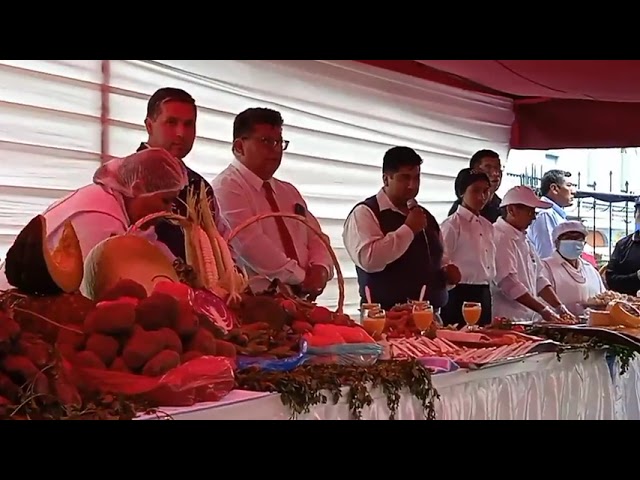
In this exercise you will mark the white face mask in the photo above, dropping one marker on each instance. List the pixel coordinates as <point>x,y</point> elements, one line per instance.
<point>571,249</point>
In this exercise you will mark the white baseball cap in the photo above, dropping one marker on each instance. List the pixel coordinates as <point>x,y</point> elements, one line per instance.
<point>568,226</point>
<point>523,195</point>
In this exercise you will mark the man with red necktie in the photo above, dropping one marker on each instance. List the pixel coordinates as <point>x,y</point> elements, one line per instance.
<point>273,248</point>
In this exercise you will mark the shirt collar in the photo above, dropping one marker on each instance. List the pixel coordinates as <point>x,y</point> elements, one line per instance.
<point>251,178</point>
<point>555,207</point>
<point>465,213</point>
<point>384,203</point>
<point>509,229</point>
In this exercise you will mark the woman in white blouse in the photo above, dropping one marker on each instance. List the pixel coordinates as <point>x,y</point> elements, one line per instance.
<point>468,243</point>
<point>573,279</point>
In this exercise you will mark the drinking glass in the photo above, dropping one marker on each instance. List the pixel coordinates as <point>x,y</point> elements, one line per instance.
<point>471,311</point>
<point>422,317</point>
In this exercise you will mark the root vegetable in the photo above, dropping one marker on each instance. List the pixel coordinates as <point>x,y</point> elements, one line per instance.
<point>88,359</point>
<point>68,338</point>
<point>188,322</point>
<point>157,311</point>
<point>191,355</point>
<point>142,347</point>
<point>36,350</point>
<point>9,328</point>
<point>171,340</point>
<point>161,363</point>
<point>105,347</point>
<point>111,319</point>
<point>125,288</point>
<point>225,349</point>
<point>204,342</point>
<point>20,369</point>
<point>67,393</point>
<point>119,365</point>
<point>8,388</point>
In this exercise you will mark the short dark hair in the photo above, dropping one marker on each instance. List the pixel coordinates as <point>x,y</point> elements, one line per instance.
<point>166,94</point>
<point>397,157</point>
<point>552,177</point>
<point>477,157</point>
<point>467,177</point>
<point>246,121</point>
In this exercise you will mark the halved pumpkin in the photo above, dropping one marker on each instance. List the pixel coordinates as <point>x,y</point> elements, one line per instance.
<point>34,269</point>
<point>125,257</point>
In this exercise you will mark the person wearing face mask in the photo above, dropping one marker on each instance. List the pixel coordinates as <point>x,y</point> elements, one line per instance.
<point>520,290</point>
<point>557,190</point>
<point>623,271</point>
<point>573,279</point>
<point>468,243</point>
<point>397,248</point>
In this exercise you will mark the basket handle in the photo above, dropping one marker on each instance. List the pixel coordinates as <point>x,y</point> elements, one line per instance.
<point>323,239</point>
<point>182,221</point>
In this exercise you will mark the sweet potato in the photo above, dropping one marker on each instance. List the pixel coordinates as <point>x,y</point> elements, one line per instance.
<point>225,349</point>
<point>8,388</point>
<point>161,363</point>
<point>142,347</point>
<point>157,311</point>
<point>203,342</point>
<point>191,355</point>
<point>125,288</point>
<point>20,369</point>
<point>118,365</point>
<point>88,359</point>
<point>188,322</point>
<point>35,349</point>
<point>111,319</point>
<point>9,328</point>
<point>75,341</point>
<point>171,340</point>
<point>105,347</point>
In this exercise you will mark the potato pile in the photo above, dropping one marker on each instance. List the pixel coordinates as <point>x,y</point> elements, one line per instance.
<point>131,332</point>
<point>30,370</point>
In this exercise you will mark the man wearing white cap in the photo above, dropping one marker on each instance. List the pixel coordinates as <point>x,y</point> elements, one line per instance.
<point>519,277</point>
<point>573,279</point>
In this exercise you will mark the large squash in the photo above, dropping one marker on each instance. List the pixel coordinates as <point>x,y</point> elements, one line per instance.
<point>33,268</point>
<point>125,257</point>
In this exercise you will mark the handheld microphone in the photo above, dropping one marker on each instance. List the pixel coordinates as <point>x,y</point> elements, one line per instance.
<point>412,203</point>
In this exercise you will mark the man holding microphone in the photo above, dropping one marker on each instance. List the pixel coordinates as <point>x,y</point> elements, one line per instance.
<point>395,244</point>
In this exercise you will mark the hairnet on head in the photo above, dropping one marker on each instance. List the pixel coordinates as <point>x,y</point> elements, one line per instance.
<point>147,172</point>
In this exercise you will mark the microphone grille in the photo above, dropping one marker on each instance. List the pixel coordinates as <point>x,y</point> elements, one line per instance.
<point>412,203</point>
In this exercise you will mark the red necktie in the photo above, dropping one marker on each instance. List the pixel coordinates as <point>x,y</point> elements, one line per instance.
<point>285,236</point>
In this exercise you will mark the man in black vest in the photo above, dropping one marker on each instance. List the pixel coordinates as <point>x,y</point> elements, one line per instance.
<point>398,250</point>
<point>487,161</point>
<point>171,124</point>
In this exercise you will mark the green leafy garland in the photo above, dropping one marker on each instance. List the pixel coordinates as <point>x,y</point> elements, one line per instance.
<point>310,385</point>
<point>572,342</point>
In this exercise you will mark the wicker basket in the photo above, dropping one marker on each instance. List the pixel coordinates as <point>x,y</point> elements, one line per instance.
<point>185,222</point>
<point>323,239</point>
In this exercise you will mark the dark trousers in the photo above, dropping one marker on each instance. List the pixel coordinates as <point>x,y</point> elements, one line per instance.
<point>451,313</point>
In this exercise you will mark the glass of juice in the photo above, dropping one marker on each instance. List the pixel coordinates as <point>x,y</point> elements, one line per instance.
<point>471,311</point>
<point>422,317</point>
<point>374,323</point>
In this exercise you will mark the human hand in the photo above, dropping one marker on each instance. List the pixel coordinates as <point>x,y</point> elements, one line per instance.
<point>315,281</point>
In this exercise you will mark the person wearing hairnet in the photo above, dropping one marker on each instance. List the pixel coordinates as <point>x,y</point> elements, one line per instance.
<point>573,279</point>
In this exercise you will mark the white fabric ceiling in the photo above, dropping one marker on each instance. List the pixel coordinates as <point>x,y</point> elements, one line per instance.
<point>340,117</point>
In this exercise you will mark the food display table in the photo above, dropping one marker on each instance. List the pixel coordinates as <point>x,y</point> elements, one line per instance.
<point>539,387</point>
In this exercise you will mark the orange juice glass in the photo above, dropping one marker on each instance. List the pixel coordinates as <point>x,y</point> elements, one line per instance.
<point>423,317</point>
<point>471,311</point>
<point>374,326</point>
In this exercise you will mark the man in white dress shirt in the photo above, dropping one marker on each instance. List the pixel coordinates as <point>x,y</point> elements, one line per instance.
<point>398,250</point>
<point>273,248</point>
<point>519,279</point>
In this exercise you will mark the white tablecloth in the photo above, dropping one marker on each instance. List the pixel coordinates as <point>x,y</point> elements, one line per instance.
<point>627,390</point>
<point>539,387</point>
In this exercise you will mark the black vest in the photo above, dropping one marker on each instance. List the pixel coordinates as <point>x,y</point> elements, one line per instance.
<point>420,265</point>
<point>172,235</point>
